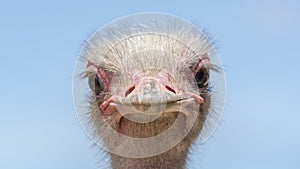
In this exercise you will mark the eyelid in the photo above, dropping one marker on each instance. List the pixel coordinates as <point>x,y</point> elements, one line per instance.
<point>91,69</point>
<point>200,65</point>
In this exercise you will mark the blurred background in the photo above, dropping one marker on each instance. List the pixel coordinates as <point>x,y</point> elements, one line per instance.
<point>258,42</point>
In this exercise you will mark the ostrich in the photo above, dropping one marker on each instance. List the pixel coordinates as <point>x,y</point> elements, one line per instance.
<point>148,79</point>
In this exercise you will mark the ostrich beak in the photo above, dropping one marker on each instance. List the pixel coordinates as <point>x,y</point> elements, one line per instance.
<point>151,96</point>
<point>150,90</point>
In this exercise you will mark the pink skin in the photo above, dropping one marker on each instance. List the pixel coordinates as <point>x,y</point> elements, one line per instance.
<point>202,62</point>
<point>163,79</point>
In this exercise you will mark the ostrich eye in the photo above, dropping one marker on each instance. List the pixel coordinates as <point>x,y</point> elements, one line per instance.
<point>96,85</point>
<point>202,77</point>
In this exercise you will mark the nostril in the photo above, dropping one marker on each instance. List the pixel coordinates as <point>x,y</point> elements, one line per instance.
<point>129,90</point>
<point>170,89</point>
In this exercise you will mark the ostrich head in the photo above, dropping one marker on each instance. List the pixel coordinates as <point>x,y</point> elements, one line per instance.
<point>150,91</point>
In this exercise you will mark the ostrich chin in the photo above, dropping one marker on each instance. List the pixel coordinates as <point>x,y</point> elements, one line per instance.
<point>150,90</point>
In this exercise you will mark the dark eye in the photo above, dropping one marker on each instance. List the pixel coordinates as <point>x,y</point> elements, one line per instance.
<point>96,85</point>
<point>202,77</point>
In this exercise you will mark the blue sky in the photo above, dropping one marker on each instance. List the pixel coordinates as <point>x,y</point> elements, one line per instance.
<point>258,42</point>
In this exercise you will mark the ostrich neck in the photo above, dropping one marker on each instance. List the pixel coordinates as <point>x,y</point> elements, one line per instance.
<point>172,159</point>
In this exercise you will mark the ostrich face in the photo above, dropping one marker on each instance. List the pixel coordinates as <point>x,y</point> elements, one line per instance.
<point>145,97</point>
<point>149,80</point>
